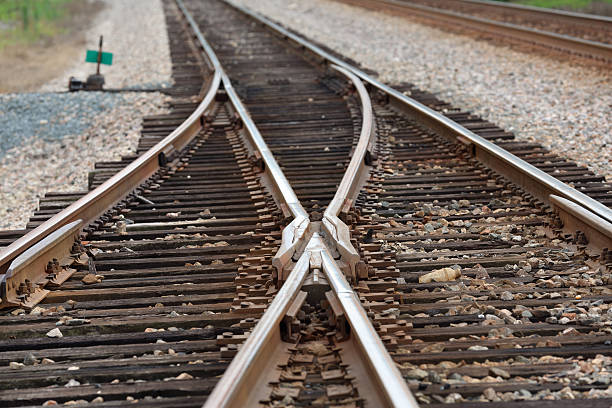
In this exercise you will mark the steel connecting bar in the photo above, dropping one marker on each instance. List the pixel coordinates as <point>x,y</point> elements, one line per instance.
<point>36,258</point>
<point>554,40</point>
<point>532,179</point>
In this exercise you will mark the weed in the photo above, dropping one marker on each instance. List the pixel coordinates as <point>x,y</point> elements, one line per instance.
<point>26,21</point>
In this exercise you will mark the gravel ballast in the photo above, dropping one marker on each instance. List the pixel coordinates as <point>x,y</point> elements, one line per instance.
<point>566,108</point>
<point>49,116</point>
<point>50,141</point>
<point>61,162</point>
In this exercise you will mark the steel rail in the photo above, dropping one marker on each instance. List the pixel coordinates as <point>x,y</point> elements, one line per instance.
<point>522,33</point>
<point>533,180</point>
<point>294,232</point>
<point>382,368</point>
<point>350,181</point>
<point>210,53</point>
<point>571,17</point>
<point>299,226</point>
<point>577,219</point>
<point>98,201</point>
<point>354,176</point>
<point>241,384</point>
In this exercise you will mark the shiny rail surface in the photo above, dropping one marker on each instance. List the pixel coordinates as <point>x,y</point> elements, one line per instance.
<point>243,382</point>
<point>381,368</point>
<point>353,179</point>
<point>529,177</point>
<point>310,257</point>
<point>592,49</point>
<point>293,233</point>
<point>98,201</point>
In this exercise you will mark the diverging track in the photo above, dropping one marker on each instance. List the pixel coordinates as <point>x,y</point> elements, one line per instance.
<point>343,246</point>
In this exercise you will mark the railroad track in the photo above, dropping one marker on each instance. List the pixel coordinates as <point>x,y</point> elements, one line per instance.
<point>586,26</point>
<point>575,33</point>
<point>308,236</point>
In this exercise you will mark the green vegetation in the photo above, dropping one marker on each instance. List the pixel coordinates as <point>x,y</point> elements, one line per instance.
<point>561,4</point>
<point>26,21</point>
<point>570,4</point>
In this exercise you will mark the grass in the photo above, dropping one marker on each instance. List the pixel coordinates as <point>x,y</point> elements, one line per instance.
<point>27,21</point>
<point>563,4</point>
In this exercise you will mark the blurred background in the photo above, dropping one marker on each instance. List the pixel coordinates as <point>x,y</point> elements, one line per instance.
<point>40,38</point>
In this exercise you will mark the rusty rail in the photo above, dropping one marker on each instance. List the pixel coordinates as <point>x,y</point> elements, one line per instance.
<point>577,219</point>
<point>354,177</point>
<point>570,17</point>
<point>274,178</point>
<point>98,201</point>
<point>559,41</point>
<point>533,180</point>
<point>243,382</point>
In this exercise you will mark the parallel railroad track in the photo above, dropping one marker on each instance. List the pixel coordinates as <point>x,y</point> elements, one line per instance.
<point>185,272</point>
<point>586,26</point>
<point>574,33</point>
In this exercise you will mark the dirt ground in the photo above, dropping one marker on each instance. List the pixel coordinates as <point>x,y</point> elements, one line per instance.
<point>24,68</point>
